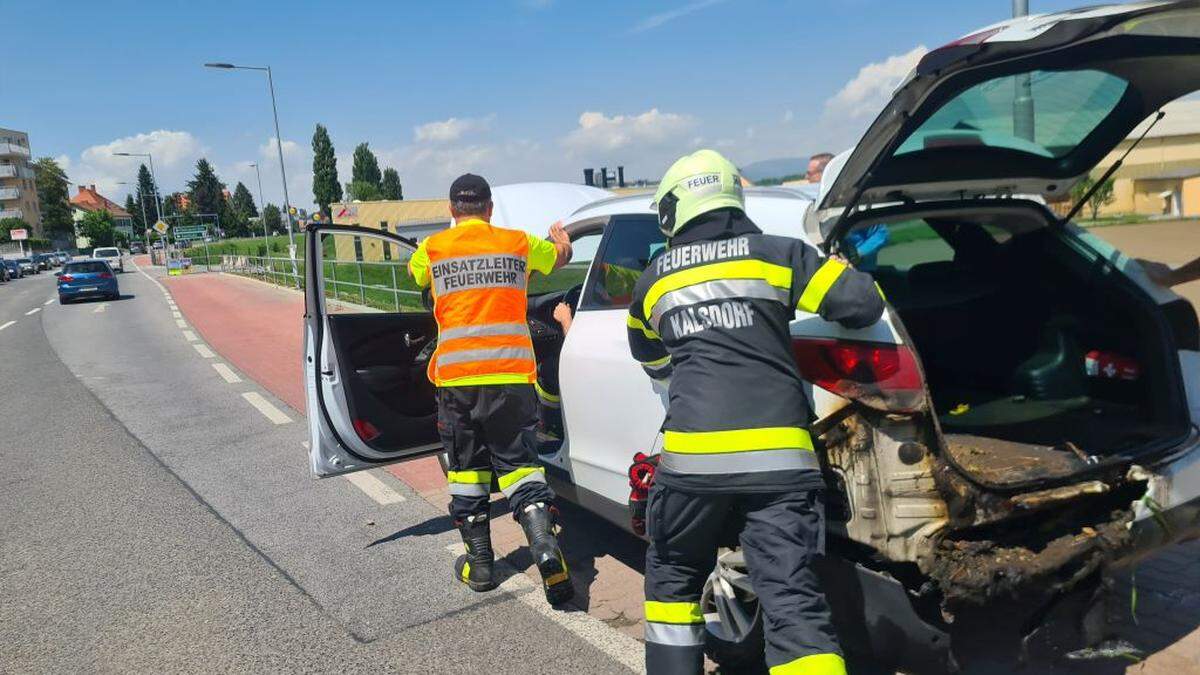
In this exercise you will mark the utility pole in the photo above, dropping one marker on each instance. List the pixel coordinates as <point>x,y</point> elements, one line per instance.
<point>1023,98</point>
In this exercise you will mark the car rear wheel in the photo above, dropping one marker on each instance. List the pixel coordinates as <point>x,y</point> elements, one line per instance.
<point>733,627</point>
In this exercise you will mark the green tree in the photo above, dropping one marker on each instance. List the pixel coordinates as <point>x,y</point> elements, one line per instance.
<point>7,224</point>
<point>390,188</point>
<point>273,218</point>
<point>205,191</point>
<point>138,225</point>
<point>146,195</point>
<point>366,167</point>
<point>99,228</point>
<point>243,209</point>
<point>1101,198</point>
<point>361,190</point>
<point>326,188</point>
<point>54,199</point>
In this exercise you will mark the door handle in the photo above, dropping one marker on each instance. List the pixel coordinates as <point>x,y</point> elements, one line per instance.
<point>410,341</point>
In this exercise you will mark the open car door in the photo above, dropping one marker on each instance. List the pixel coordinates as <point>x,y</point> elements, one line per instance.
<point>367,342</point>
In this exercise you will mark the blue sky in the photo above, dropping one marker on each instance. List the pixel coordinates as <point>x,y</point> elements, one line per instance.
<point>513,89</point>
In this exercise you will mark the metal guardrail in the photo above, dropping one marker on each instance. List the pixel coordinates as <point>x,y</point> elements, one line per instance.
<point>369,284</point>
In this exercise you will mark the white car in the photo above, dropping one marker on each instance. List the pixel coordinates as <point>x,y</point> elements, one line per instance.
<point>111,255</point>
<point>1022,420</point>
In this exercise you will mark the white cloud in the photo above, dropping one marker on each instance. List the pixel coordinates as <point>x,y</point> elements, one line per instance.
<point>298,162</point>
<point>175,152</point>
<point>452,129</point>
<point>598,133</point>
<point>655,20</point>
<point>871,89</point>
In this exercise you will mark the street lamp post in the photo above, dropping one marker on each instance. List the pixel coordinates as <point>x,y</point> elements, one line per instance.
<point>1023,108</point>
<point>157,198</point>
<point>261,205</point>
<point>278,146</point>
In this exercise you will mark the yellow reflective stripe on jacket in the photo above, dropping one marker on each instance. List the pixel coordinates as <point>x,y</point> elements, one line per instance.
<point>506,480</point>
<point>813,664</point>
<point>472,380</point>
<point>636,324</point>
<point>775,275</point>
<point>819,285</point>
<point>673,612</point>
<point>469,477</point>
<point>737,440</point>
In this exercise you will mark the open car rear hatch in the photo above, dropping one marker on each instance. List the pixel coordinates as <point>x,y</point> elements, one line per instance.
<point>1025,107</point>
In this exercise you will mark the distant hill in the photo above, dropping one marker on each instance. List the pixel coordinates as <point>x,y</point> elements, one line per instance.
<point>774,168</point>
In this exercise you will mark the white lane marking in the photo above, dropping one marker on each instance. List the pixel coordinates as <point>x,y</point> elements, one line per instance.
<point>103,306</point>
<point>375,488</point>
<point>189,336</point>
<point>177,315</point>
<point>617,645</point>
<point>50,301</point>
<point>181,323</point>
<point>33,311</point>
<point>7,325</point>
<point>203,351</point>
<point>226,372</point>
<point>264,406</point>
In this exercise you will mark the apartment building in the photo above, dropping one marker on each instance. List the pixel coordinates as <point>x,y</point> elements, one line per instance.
<point>18,192</point>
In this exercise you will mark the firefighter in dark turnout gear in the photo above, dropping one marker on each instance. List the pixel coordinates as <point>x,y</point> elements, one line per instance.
<point>484,370</point>
<point>711,313</point>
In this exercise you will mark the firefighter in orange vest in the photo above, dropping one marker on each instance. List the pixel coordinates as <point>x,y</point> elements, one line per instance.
<point>484,370</point>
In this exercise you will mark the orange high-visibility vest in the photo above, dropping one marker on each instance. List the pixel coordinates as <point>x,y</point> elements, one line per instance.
<point>479,276</point>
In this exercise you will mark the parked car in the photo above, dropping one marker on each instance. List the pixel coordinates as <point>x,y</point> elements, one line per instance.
<point>112,254</point>
<point>137,247</point>
<point>1024,418</point>
<point>5,274</point>
<point>83,279</point>
<point>42,260</point>
<point>63,257</point>
<point>13,267</point>
<point>28,266</point>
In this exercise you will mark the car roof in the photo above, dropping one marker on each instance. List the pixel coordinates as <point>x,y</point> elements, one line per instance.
<point>776,210</point>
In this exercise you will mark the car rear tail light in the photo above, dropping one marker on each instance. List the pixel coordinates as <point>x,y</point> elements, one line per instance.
<point>879,375</point>
<point>106,275</point>
<point>365,430</point>
<point>66,278</point>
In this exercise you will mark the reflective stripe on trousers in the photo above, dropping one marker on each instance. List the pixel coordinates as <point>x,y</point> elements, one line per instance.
<point>470,483</point>
<point>511,481</point>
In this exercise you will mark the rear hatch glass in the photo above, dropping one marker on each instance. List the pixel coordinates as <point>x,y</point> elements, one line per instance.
<point>86,268</point>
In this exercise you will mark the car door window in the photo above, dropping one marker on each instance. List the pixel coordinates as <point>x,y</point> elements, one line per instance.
<point>367,273</point>
<point>632,242</point>
<point>572,274</point>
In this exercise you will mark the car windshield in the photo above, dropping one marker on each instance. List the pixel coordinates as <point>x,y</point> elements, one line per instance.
<point>106,252</point>
<point>1066,107</point>
<point>86,268</point>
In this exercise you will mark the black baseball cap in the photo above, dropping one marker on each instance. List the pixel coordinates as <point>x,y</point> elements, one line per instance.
<point>470,188</point>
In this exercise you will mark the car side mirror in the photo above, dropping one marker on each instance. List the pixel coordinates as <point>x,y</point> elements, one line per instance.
<point>58,274</point>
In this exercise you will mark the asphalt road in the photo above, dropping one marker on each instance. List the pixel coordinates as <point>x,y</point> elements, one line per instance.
<point>153,517</point>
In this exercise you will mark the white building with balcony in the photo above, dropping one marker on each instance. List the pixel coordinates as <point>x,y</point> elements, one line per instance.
<point>18,191</point>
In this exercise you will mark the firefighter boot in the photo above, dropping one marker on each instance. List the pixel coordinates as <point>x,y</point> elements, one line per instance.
<point>475,567</point>
<point>538,522</point>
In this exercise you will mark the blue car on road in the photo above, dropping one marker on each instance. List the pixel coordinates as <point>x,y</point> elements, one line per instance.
<point>87,279</point>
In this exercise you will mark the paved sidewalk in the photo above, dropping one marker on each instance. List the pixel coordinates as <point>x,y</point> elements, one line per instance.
<point>257,326</point>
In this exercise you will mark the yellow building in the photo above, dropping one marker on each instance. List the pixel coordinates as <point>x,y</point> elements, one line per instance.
<point>1161,177</point>
<point>410,218</point>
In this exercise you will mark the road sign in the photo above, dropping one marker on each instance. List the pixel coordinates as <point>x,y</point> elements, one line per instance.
<point>161,227</point>
<point>18,235</point>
